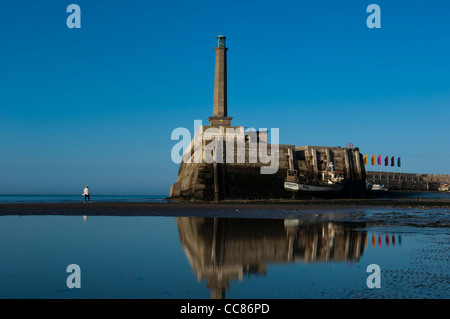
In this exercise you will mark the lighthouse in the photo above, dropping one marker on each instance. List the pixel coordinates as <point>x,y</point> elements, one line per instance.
<point>220,114</point>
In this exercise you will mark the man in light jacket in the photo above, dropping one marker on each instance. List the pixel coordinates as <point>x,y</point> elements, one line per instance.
<point>86,194</point>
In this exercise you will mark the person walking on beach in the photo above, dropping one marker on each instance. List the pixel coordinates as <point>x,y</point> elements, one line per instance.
<point>86,194</point>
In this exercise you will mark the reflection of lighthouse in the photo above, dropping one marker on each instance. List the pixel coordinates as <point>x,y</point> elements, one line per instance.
<point>221,249</point>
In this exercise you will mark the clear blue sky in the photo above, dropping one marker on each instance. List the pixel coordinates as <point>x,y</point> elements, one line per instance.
<point>97,105</point>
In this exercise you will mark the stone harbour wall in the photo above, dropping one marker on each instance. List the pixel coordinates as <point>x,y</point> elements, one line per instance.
<point>408,181</point>
<point>235,176</point>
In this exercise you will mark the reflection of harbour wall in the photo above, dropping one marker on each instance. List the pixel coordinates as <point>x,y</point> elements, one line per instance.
<point>224,249</point>
<point>407,181</point>
<point>328,242</point>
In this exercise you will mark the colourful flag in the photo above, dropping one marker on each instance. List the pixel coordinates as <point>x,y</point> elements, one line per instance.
<point>365,159</point>
<point>379,159</point>
<point>386,161</point>
<point>399,162</point>
<point>393,161</point>
<point>373,159</point>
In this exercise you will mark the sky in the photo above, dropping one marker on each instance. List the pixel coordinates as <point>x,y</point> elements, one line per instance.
<point>97,105</point>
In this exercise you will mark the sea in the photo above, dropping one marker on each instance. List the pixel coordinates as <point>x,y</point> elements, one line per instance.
<point>46,198</point>
<point>176,257</point>
<point>70,198</point>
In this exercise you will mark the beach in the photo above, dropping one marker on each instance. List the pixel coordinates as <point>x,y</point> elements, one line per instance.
<point>231,249</point>
<point>253,249</point>
<point>151,208</point>
<point>399,211</point>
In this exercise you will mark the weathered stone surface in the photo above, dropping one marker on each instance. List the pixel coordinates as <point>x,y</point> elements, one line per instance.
<point>249,167</point>
<point>244,179</point>
<point>407,181</point>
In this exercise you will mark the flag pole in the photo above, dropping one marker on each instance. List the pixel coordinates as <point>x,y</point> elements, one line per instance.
<point>387,171</point>
<point>379,167</point>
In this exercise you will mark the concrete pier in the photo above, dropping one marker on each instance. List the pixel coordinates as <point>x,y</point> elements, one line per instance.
<point>408,181</point>
<point>243,165</point>
<point>232,179</point>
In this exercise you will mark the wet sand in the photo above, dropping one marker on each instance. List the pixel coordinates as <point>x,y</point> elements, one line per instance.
<point>245,209</point>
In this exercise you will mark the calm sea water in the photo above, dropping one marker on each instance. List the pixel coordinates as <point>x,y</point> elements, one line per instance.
<point>160,198</point>
<point>79,198</point>
<point>196,257</point>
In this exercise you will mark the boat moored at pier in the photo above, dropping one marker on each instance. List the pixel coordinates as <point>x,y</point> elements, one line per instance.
<point>326,181</point>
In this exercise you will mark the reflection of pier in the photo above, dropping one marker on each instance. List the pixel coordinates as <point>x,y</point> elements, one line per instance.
<point>220,249</point>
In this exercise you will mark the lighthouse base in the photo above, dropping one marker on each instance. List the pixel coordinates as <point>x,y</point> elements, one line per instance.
<point>219,121</point>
